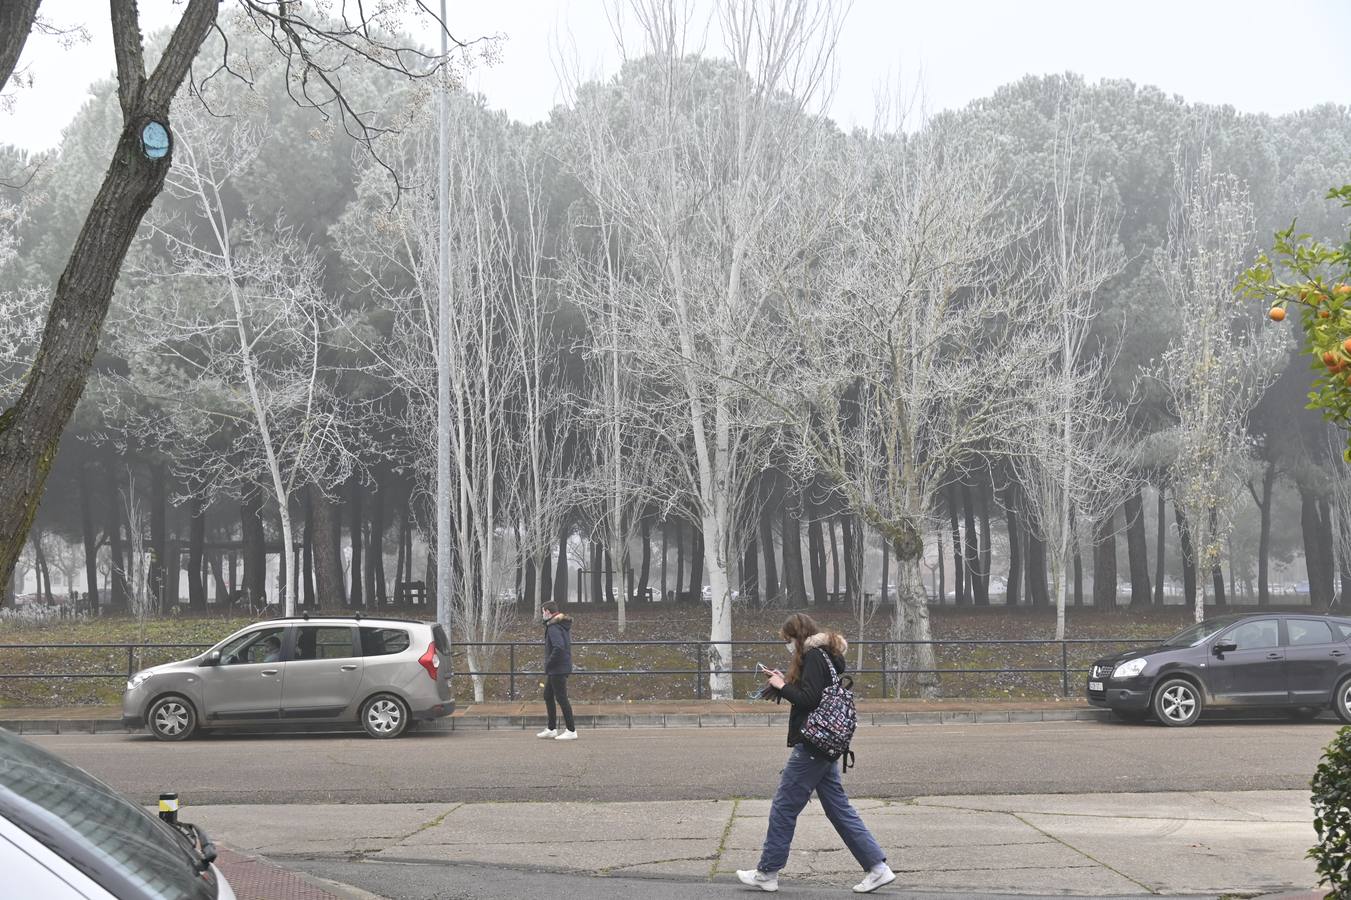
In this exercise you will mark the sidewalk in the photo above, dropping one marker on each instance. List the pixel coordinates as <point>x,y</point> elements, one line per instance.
<point>661,714</point>
<point>1209,843</point>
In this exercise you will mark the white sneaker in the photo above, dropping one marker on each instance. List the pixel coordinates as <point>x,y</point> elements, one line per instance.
<point>566,736</point>
<point>765,881</point>
<point>548,733</point>
<point>877,876</point>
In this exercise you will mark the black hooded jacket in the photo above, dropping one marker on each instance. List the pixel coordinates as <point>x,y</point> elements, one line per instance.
<point>558,646</point>
<point>805,694</point>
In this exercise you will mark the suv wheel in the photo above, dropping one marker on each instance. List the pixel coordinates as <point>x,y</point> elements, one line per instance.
<point>1177,703</point>
<point>384,716</point>
<point>171,718</point>
<point>1342,701</point>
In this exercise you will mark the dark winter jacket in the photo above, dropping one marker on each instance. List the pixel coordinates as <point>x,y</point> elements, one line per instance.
<point>805,694</point>
<point>558,646</point>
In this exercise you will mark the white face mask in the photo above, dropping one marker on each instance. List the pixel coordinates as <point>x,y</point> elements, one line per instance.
<point>791,647</point>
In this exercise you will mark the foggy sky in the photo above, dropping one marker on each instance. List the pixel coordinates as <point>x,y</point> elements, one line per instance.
<point>1234,52</point>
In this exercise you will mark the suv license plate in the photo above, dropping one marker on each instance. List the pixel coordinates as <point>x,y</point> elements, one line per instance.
<point>1095,685</point>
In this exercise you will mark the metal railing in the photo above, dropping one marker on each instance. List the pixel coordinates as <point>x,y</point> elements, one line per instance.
<point>698,651</point>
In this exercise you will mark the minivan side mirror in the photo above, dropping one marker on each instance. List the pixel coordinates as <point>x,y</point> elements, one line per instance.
<point>1223,647</point>
<point>212,658</point>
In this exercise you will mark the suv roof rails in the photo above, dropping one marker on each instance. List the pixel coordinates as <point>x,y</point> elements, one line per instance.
<point>356,616</point>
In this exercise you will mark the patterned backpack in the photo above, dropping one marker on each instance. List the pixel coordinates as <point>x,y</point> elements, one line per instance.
<point>830,727</point>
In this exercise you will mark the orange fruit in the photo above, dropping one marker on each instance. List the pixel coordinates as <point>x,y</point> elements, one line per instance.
<point>1342,290</point>
<point>1329,359</point>
<point>1346,345</point>
<point>1277,314</point>
<point>1324,314</point>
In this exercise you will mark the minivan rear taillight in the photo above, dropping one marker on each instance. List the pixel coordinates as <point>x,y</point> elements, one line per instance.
<point>429,662</point>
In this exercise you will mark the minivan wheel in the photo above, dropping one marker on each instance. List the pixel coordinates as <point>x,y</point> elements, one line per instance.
<point>1177,703</point>
<point>1342,703</point>
<point>171,718</point>
<point>384,716</point>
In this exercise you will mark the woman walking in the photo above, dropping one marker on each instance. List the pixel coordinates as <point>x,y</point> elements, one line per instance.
<point>817,662</point>
<point>557,668</point>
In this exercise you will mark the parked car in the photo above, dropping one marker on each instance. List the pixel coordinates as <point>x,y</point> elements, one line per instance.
<point>1300,663</point>
<point>383,674</point>
<point>65,835</point>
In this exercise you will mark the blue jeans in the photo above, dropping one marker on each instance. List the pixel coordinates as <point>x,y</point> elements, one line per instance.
<point>803,774</point>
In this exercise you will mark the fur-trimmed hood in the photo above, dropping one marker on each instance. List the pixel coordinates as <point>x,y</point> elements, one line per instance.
<point>833,641</point>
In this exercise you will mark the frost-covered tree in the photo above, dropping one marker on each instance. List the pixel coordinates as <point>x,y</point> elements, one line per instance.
<point>1220,360</point>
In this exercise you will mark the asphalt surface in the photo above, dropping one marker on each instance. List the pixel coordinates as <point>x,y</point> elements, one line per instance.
<point>701,763</point>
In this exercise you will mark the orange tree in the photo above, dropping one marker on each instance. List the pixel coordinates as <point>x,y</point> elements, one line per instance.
<point>1315,278</point>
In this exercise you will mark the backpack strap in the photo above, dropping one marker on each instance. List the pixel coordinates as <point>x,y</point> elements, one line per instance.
<point>846,760</point>
<point>834,676</point>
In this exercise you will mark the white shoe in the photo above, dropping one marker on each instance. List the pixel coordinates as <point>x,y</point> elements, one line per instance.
<point>765,881</point>
<point>566,736</point>
<point>548,733</point>
<point>877,876</point>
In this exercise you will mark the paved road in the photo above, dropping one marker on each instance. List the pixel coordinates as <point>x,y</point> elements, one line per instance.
<point>707,763</point>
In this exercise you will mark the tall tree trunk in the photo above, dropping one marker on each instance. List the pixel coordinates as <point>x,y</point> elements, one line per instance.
<point>986,557</point>
<point>255,550</point>
<point>850,540</point>
<point>1038,591</point>
<point>375,549</point>
<point>770,588</point>
<point>942,585</point>
<point>1263,502</point>
<point>561,570</point>
<point>1317,558</point>
<point>645,570</point>
<point>750,571</point>
<point>1137,549</point>
<point>31,429</point>
<point>1329,560</point>
<point>697,563</point>
<point>816,547</point>
<point>835,594</point>
<point>526,598</point>
<point>886,593</point>
<point>958,552</point>
<point>1160,546</point>
<point>91,547</point>
<point>1104,563</point>
<point>597,564</point>
<point>971,551</point>
<point>680,559</point>
<point>307,551</point>
<point>794,583</point>
<point>1188,560</point>
<point>196,550</point>
<point>356,501</point>
<point>608,566</point>
<point>546,581</point>
<point>156,580</point>
<point>665,556</point>
<point>116,547</point>
<point>1078,563</point>
<point>328,586</point>
<point>1217,575</point>
<point>1015,578</point>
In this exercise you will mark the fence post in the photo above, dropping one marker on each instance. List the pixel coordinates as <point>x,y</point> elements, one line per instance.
<point>511,690</point>
<point>131,661</point>
<point>699,671</point>
<point>1064,668</point>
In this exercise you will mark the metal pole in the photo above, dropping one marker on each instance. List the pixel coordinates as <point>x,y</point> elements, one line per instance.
<point>443,486</point>
<point>1064,669</point>
<point>699,671</point>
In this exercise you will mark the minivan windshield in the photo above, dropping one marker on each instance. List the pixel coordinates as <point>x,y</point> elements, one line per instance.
<point>1195,634</point>
<point>120,846</point>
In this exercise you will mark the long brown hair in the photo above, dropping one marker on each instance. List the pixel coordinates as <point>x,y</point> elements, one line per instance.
<point>797,628</point>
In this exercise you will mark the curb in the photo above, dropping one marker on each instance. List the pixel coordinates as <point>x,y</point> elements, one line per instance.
<point>646,720</point>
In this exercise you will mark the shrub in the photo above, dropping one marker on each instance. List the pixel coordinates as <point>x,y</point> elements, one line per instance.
<point>1332,815</point>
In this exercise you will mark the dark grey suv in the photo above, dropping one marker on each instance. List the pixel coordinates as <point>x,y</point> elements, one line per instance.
<point>1300,663</point>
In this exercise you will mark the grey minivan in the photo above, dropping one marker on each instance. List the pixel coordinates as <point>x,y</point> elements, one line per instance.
<point>383,674</point>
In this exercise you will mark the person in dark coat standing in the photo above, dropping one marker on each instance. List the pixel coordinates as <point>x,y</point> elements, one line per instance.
<point>814,654</point>
<point>557,668</point>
